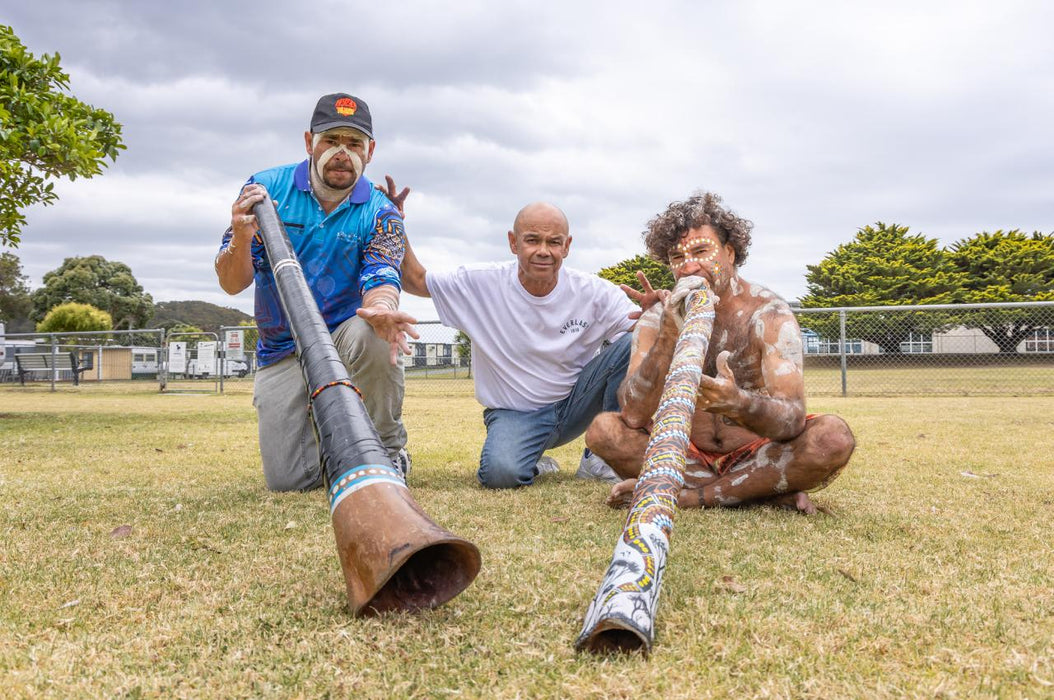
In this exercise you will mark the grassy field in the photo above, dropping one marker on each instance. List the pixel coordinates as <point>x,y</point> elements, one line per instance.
<point>1027,380</point>
<point>934,577</point>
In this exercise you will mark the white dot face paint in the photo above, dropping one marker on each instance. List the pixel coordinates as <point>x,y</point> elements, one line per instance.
<point>697,249</point>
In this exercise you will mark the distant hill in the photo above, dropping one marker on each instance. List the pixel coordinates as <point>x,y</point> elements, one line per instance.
<point>206,316</point>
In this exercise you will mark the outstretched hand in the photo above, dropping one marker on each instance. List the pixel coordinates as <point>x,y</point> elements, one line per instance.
<point>391,192</point>
<point>719,392</point>
<point>391,325</point>
<point>646,299</point>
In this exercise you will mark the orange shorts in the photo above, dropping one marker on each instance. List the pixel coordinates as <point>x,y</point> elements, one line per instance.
<point>720,462</point>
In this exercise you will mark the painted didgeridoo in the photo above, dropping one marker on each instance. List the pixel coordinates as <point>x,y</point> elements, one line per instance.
<point>621,617</point>
<point>393,556</point>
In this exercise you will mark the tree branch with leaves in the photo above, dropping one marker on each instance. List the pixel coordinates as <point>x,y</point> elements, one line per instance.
<point>45,133</point>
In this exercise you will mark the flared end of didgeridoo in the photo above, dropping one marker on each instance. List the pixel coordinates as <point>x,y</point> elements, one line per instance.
<point>428,578</point>
<point>394,557</point>
<point>614,636</point>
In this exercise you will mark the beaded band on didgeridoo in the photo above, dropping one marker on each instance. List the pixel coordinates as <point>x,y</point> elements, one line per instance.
<point>622,614</point>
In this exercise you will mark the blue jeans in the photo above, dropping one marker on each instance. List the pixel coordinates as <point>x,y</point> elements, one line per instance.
<point>517,439</point>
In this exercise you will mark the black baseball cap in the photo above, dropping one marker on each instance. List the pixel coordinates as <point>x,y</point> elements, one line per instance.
<point>341,109</point>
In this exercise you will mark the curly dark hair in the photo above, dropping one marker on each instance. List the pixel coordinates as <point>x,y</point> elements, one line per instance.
<point>701,209</point>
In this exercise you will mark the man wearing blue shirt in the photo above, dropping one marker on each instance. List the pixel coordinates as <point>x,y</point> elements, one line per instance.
<point>350,242</point>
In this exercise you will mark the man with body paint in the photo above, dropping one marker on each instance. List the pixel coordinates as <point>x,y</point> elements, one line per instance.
<point>751,439</point>
<point>549,344</point>
<point>350,241</point>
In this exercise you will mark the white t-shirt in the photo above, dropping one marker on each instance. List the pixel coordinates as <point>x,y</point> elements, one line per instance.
<point>528,351</point>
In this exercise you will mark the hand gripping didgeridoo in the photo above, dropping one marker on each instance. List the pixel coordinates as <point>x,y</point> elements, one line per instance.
<point>621,617</point>
<point>392,554</point>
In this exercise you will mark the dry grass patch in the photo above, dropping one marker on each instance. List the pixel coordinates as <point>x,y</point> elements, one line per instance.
<point>932,579</point>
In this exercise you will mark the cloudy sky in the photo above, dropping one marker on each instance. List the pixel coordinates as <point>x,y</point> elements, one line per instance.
<point>810,118</point>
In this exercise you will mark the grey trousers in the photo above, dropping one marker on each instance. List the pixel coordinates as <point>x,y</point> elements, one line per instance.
<point>287,440</point>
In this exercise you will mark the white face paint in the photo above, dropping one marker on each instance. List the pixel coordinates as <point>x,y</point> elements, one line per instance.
<point>327,155</point>
<point>323,190</point>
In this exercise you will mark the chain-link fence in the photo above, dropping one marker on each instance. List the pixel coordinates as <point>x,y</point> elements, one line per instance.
<point>83,358</point>
<point>959,349</point>
<point>953,349</point>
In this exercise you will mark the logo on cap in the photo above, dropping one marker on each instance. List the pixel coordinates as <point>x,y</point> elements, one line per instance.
<point>345,106</point>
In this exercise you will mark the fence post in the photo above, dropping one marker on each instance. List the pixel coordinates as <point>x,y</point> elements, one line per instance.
<point>162,362</point>
<point>54,356</point>
<point>842,346</point>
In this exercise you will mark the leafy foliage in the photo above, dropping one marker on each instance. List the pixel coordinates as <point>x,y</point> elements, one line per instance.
<point>464,349</point>
<point>94,280</point>
<point>15,302</point>
<point>44,133</point>
<point>206,316</point>
<point>1005,266</point>
<point>883,265</point>
<point>625,272</point>
<point>72,317</point>
<point>464,345</point>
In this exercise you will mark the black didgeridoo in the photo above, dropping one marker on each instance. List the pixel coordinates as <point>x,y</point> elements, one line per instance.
<point>392,554</point>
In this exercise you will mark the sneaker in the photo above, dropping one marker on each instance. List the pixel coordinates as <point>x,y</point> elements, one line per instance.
<point>547,465</point>
<point>592,467</point>
<point>403,462</point>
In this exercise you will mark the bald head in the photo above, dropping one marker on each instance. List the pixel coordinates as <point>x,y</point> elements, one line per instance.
<point>540,241</point>
<point>540,215</point>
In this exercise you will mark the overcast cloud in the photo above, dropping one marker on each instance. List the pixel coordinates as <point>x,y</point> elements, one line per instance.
<point>810,118</point>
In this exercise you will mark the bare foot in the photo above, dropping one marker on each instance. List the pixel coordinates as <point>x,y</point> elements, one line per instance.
<point>798,501</point>
<point>621,494</point>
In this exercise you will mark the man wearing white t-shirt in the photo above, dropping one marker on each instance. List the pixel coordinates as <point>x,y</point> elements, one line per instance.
<point>536,329</point>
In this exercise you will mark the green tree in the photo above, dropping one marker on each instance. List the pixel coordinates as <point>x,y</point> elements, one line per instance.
<point>464,349</point>
<point>883,265</point>
<point>45,133</point>
<point>94,280</point>
<point>625,272</point>
<point>206,316</point>
<point>72,317</point>
<point>15,302</point>
<point>1005,266</point>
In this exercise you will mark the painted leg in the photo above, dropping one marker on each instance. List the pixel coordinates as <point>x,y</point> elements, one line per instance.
<point>780,470</point>
<point>621,446</point>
